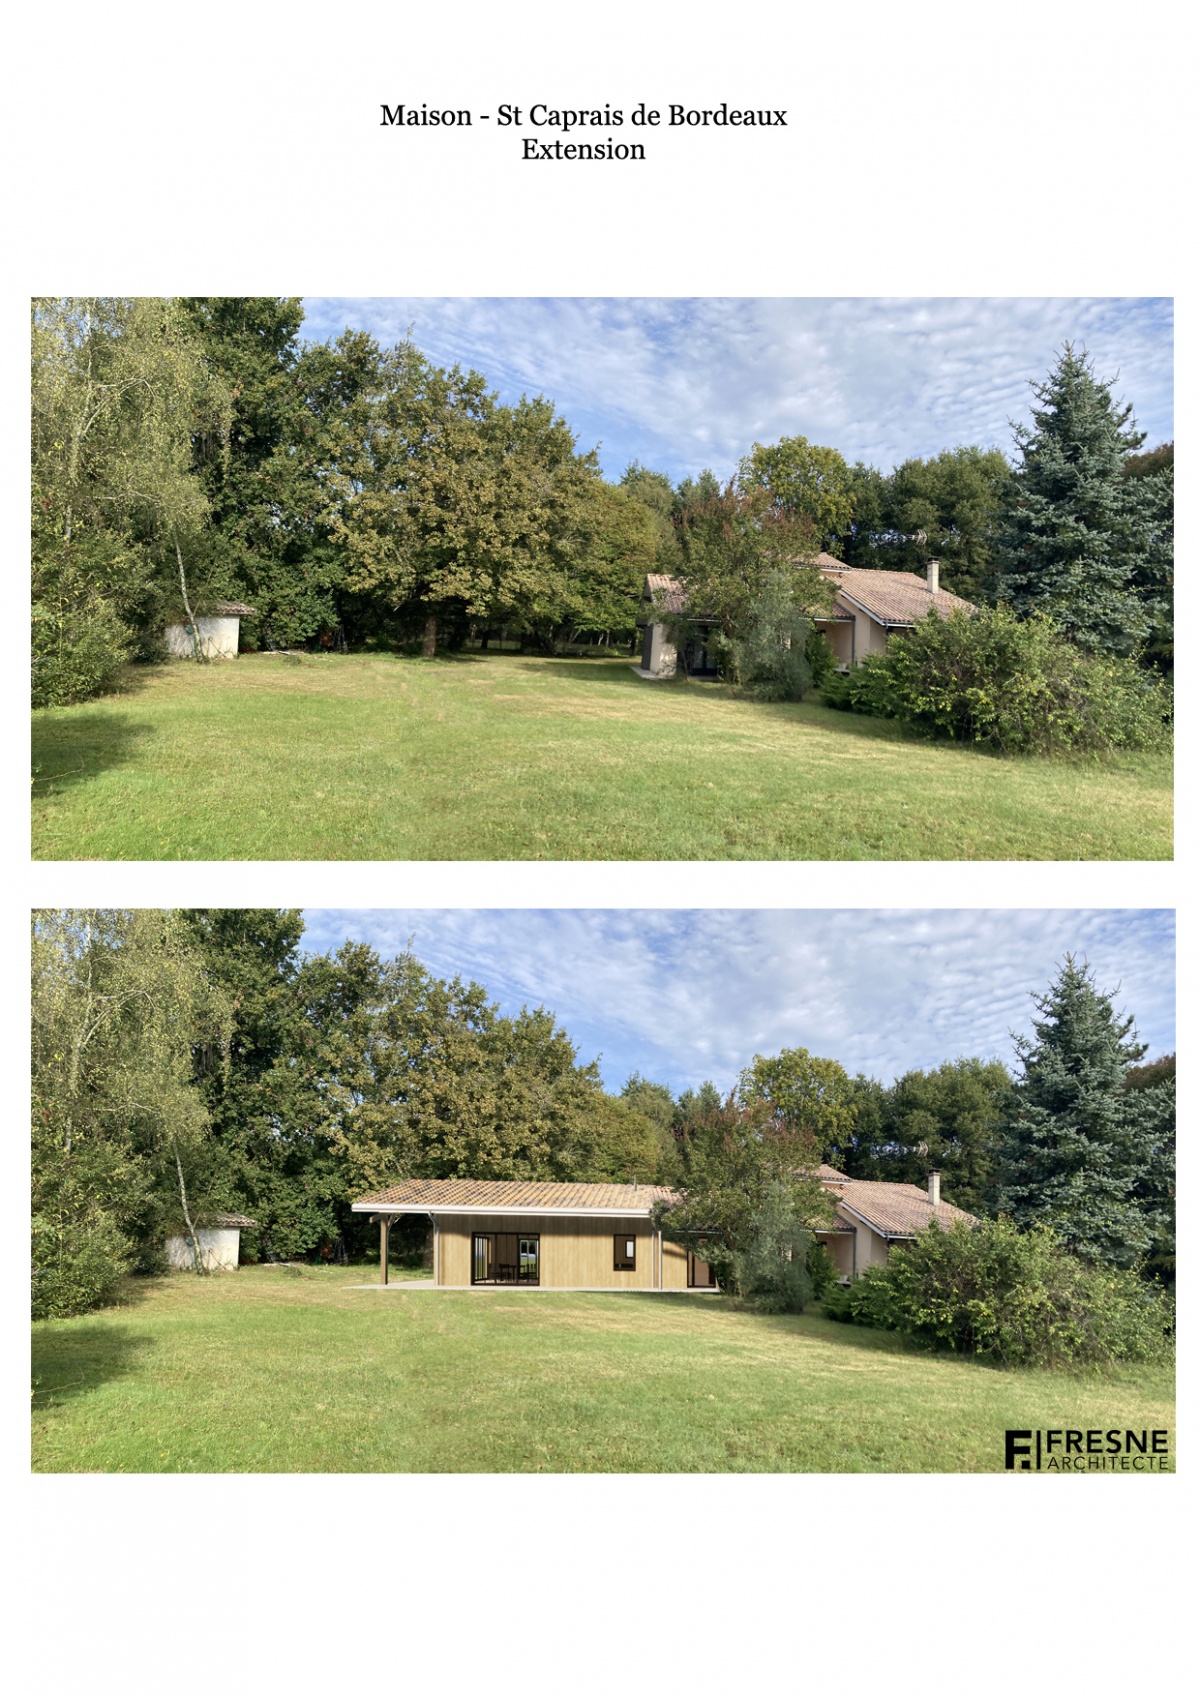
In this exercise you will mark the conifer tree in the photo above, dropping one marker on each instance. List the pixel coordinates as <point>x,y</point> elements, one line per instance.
<point>1079,1151</point>
<point>1079,540</point>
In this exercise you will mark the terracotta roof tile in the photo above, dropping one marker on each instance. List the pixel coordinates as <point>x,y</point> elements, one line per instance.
<point>422,1193</point>
<point>895,598</point>
<point>667,593</point>
<point>896,1210</point>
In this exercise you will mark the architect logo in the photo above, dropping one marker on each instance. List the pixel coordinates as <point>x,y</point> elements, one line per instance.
<point>1071,1451</point>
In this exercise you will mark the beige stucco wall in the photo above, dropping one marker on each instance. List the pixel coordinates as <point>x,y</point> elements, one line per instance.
<point>571,1252</point>
<point>662,658</point>
<point>840,1249</point>
<point>218,1249</point>
<point>840,637</point>
<point>869,638</point>
<point>218,639</point>
<point>871,1248</point>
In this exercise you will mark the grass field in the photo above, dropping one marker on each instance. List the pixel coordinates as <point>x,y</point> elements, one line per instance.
<point>269,1371</point>
<point>504,757</point>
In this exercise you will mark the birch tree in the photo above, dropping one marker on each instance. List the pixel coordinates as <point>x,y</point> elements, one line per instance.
<point>120,1009</point>
<point>121,396</point>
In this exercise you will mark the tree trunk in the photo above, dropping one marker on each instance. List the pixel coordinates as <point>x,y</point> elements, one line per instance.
<point>187,606</point>
<point>429,640</point>
<point>187,1218</point>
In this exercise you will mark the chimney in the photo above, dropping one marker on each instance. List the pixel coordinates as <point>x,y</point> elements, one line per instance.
<point>935,1189</point>
<point>931,576</point>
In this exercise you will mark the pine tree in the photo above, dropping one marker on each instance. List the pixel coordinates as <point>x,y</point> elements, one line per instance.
<point>1079,540</point>
<point>1079,1150</point>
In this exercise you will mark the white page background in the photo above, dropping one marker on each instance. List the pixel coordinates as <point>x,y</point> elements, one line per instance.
<point>930,149</point>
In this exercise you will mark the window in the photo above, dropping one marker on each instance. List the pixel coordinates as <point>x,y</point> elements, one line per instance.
<point>624,1253</point>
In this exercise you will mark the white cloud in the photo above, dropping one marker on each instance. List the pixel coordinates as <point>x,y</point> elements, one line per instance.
<point>681,384</point>
<point>683,996</point>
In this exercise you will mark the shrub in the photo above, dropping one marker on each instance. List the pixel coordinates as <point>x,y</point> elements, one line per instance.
<point>771,1271</point>
<point>79,1268</point>
<point>1015,1297</point>
<point>770,654</point>
<point>1011,684</point>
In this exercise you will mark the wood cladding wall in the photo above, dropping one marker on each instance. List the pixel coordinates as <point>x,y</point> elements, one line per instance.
<point>573,1252</point>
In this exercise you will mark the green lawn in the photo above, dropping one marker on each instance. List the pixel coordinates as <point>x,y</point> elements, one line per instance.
<point>269,1371</point>
<point>504,757</point>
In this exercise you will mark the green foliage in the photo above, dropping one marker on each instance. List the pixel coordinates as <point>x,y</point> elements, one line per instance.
<point>769,657</point>
<point>811,1097</point>
<point>120,395</point>
<point>295,411</point>
<point>1018,1298</point>
<point>740,1164</point>
<point>752,588</point>
<point>80,641</point>
<point>809,484</point>
<point>119,1130</point>
<point>454,506</point>
<point>1080,541</point>
<point>771,1272</point>
<point>1010,684</point>
<point>947,1119</point>
<point>1080,1153</point>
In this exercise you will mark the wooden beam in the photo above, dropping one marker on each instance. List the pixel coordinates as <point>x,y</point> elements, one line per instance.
<point>385,1232</point>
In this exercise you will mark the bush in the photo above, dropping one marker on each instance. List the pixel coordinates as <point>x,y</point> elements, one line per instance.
<point>770,656</point>
<point>77,1268</point>
<point>1014,1297</point>
<point>79,645</point>
<point>772,1271</point>
<point>1014,685</point>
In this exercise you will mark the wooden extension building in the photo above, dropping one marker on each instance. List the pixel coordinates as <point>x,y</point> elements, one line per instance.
<point>551,1236</point>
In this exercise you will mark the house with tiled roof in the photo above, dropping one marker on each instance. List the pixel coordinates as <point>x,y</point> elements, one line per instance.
<point>869,608</point>
<point>556,1236</point>
<point>871,1216</point>
<point>495,1232</point>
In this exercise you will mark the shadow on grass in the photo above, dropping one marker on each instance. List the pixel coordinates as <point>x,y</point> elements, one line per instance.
<point>71,750</point>
<point>70,1361</point>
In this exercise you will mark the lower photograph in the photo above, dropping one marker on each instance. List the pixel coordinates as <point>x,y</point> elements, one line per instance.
<point>638,1190</point>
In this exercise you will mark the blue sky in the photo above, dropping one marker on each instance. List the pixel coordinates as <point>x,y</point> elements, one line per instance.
<point>684,995</point>
<point>681,384</point>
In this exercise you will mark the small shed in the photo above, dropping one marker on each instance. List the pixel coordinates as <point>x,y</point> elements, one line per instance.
<point>219,1244</point>
<point>217,631</point>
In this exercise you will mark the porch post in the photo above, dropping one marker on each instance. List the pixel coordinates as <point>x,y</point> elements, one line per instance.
<point>385,1230</point>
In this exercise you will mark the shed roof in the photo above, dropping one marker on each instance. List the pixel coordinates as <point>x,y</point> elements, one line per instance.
<point>500,1195</point>
<point>234,610</point>
<point>232,1220</point>
<point>667,593</point>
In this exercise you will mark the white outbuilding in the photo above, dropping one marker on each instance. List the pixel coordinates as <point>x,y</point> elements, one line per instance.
<point>219,1245</point>
<point>217,633</point>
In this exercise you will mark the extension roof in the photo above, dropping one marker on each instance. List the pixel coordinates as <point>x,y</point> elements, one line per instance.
<point>499,1196</point>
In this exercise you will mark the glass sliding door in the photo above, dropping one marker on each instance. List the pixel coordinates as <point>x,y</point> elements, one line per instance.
<point>506,1258</point>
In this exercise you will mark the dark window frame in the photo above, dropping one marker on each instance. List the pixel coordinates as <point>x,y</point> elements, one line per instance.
<point>622,1264</point>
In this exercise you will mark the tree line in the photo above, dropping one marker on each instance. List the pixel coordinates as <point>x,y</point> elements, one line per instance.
<point>189,1063</point>
<point>188,451</point>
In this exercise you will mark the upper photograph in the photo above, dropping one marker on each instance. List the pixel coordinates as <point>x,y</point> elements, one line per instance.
<point>602,579</point>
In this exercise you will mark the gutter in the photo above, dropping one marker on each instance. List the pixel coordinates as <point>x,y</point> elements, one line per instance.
<point>507,1213</point>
